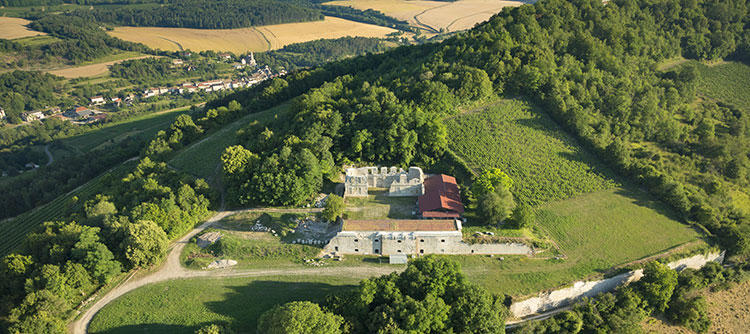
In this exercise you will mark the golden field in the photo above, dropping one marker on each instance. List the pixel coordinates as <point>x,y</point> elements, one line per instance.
<point>11,28</point>
<point>434,15</point>
<point>89,70</point>
<point>261,38</point>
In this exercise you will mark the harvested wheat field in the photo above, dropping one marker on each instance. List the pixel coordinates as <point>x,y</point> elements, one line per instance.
<point>88,70</point>
<point>728,310</point>
<point>11,28</point>
<point>259,38</point>
<point>435,15</point>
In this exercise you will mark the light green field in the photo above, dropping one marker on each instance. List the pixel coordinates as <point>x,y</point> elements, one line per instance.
<point>37,40</point>
<point>203,158</point>
<point>727,82</point>
<point>112,57</point>
<point>145,126</point>
<point>182,306</point>
<point>544,162</point>
<point>378,205</point>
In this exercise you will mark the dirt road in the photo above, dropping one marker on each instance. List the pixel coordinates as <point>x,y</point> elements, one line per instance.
<point>173,269</point>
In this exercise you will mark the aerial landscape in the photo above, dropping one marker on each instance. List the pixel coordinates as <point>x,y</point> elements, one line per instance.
<point>374,166</point>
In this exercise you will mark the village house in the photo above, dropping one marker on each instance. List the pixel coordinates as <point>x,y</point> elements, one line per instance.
<point>177,62</point>
<point>225,56</point>
<point>97,100</point>
<point>32,116</point>
<point>79,112</point>
<point>2,113</point>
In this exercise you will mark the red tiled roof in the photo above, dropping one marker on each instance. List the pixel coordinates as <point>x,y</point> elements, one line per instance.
<point>440,194</point>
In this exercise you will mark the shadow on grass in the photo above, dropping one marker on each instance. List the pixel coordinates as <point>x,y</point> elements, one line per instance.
<point>150,328</point>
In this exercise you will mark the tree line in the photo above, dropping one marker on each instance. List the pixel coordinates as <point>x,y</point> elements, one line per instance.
<point>28,90</point>
<point>319,52</point>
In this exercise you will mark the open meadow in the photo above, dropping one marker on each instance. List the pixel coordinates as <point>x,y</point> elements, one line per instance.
<point>544,162</point>
<point>183,306</point>
<point>202,159</point>
<point>434,15</point>
<point>261,38</point>
<point>12,28</point>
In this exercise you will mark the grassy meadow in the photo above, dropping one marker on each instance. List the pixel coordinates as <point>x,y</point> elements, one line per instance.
<point>544,162</point>
<point>260,38</point>
<point>182,306</point>
<point>203,158</point>
<point>378,205</point>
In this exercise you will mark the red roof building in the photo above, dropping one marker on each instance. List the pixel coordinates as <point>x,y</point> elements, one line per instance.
<point>441,198</point>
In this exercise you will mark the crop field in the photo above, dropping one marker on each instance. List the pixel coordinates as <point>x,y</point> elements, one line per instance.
<point>203,158</point>
<point>261,38</point>
<point>727,82</point>
<point>182,306</point>
<point>434,15</point>
<point>96,67</point>
<point>11,28</point>
<point>145,127</point>
<point>544,162</point>
<point>594,232</point>
<point>13,231</point>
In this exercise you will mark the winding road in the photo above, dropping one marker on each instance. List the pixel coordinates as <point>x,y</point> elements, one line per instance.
<point>50,158</point>
<point>173,269</point>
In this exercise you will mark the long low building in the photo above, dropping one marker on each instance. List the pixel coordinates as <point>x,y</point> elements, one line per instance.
<point>403,236</point>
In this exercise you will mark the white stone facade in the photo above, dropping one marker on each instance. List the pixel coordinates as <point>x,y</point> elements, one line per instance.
<point>398,181</point>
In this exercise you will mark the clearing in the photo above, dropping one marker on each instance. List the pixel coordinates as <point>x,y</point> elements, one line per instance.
<point>729,311</point>
<point>203,158</point>
<point>11,28</point>
<point>544,162</point>
<point>96,67</point>
<point>434,15</point>
<point>727,82</point>
<point>260,38</point>
<point>182,306</point>
<point>378,205</point>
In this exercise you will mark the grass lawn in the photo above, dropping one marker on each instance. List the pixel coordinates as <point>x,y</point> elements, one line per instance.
<point>594,231</point>
<point>544,162</point>
<point>145,126</point>
<point>182,306</point>
<point>203,158</point>
<point>378,205</point>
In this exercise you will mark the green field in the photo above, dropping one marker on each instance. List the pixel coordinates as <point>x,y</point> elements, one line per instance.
<point>37,40</point>
<point>144,127</point>
<point>594,232</point>
<point>544,162</point>
<point>14,231</point>
<point>378,205</point>
<point>182,306</point>
<point>203,158</point>
<point>112,57</point>
<point>727,82</point>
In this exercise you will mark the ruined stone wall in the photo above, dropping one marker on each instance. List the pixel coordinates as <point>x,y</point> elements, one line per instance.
<point>398,181</point>
<point>438,242</point>
<point>547,301</point>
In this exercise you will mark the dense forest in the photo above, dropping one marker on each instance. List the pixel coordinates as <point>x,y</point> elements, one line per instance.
<point>319,52</point>
<point>156,71</point>
<point>224,14</point>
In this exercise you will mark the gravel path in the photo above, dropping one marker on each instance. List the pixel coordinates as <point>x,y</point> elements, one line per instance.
<point>50,158</point>
<point>173,269</point>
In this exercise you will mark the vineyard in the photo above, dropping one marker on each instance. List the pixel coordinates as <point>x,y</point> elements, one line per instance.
<point>203,158</point>
<point>13,231</point>
<point>727,82</point>
<point>545,163</point>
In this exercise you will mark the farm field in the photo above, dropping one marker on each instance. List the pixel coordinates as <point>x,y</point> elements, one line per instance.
<point>203,158</point>
<point>145,126</point>
<point>434,15</point>
<point>727,82</point>
<point>96,67</point>
<point>261,38</point>
<point>182,306</point>
<point>729,311</point>
<point>13,231</point>
<point>12,28</point>
<point>544,162</point>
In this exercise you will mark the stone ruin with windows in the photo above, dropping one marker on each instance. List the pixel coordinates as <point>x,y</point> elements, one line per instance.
<point>396,180</point>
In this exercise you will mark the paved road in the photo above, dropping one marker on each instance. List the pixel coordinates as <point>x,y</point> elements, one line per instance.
<point>49,155</point>
<point>173,269</point>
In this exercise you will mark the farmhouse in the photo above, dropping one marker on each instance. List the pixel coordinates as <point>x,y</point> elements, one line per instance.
<point>97,100</point>
<point>32,116</point>
<point>398,181</point>
<point>441,198</point>
<point>2,113</point>
<point>79,112</point>
<point>416,237</point>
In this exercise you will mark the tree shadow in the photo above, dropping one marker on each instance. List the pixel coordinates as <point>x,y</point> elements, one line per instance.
<point>151,328</point>
<point>245,304</point>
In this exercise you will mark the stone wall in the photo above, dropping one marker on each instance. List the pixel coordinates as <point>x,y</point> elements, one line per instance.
<point>398,181</point>
<point>554,299</point>
<point>418,242</point>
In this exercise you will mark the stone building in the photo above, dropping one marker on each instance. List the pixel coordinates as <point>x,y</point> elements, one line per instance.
<point>401,236</point>
<point>396,180</point>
